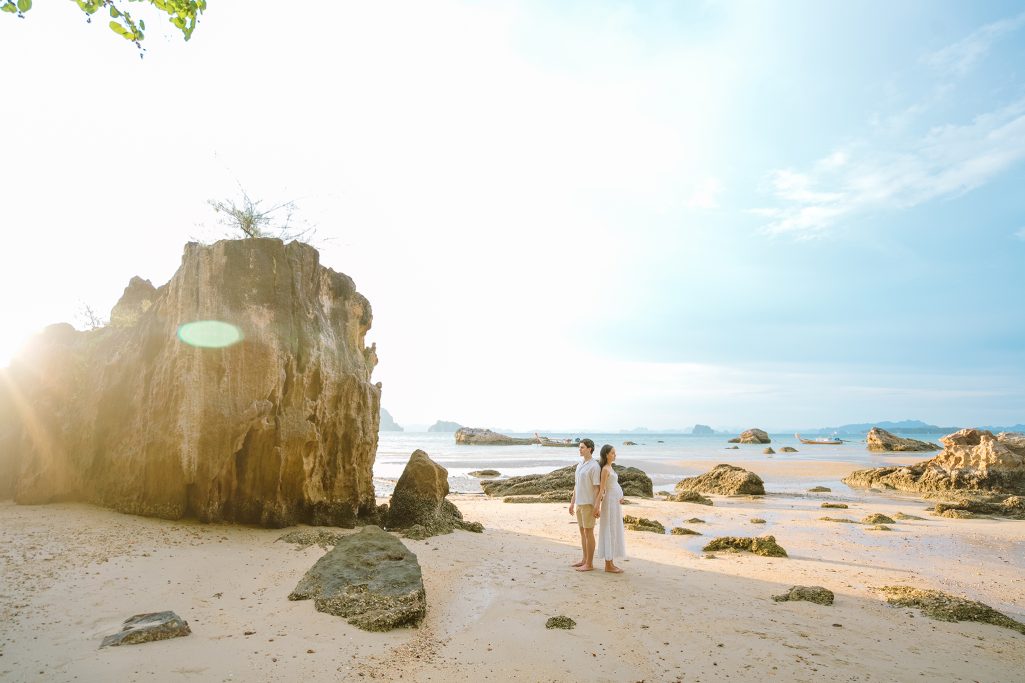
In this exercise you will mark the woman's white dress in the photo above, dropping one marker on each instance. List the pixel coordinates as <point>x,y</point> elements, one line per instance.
<point>611,534</point>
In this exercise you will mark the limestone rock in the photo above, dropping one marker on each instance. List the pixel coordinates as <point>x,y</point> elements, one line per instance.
<point>761,545</point>
<point>145,628</point>
<point>725,480</point>
<point>369,578</point>
<point>489,474</point>
<point>816,594</point>
<point>486,437</point>
<point>643,524</point>
<point>788,449</point>
<point>880,440</point>
<point>972,460</point>
<point>419,499</point>
<point>558,485</point>
<point>752,436</point>
<point>690,497</point>
<point>769,451</point>
<point>278,428</point>
<point>983,504</point>
<point>945,607</point>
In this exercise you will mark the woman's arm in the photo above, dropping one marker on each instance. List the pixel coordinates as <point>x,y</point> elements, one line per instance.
<point>601,491</point>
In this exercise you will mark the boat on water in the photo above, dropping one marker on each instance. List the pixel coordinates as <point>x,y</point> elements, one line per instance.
<point>556,443</point>
<point>820,442</point>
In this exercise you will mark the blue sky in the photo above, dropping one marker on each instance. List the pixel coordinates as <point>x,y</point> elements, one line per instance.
<point>567,215</point>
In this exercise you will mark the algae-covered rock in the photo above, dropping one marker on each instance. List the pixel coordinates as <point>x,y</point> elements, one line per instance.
<point>905,517</point>
<point>304,538</point>
<point>839,506</point>
<point>882,441</point>
<point>843,520</point>
<point>819,489</point>
<point>877,518</point>
<point>689,497</point>
<point>816,594</point>
<point>788,449</point>
<point>684,531</point>
<point>957,513</point>
<point>560,621</point>
<point>561,482</point>
<point>761,545</point>
<point>751,436</point>
<point>945,607</point>
<point>485,474</point>
<point>370,578</point>
<point>643,524</point>
<point>1012,507</point>
<point>879,527</point>
<point>769,451</point>
<point>419,499</point>
<point>695,520</point>
<point>756,520</point>
<point>146,628</point>
<point>726,480</point>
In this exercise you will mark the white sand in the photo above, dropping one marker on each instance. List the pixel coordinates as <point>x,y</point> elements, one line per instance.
<point>69,574</point>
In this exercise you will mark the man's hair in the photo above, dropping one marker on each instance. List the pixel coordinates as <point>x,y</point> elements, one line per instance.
<point>588,443</point>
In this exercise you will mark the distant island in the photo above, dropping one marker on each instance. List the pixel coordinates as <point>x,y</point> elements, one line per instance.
<point>442,426</point>
<point>702,430</point>
<point>906,427</point>
<point>388,423</point>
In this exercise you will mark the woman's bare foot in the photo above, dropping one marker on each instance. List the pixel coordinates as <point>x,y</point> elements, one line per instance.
<point>612,569</point>
<point>585,568</point>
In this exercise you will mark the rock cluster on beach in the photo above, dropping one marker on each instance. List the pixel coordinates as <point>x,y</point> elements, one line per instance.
<point>972,460</point>
<point>880,440</point>
<point>419,504</point>
<point>946,607</point>
<point>278,428</point>
<point>816,594</point>
<point>485,437</point>
<point>761,545</point>
<point>724,480</point>
<point>557,486</point>
<point>370,578</point>
<point>751,436</point>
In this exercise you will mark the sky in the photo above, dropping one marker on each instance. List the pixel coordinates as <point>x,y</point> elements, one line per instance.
<point>575,215</point>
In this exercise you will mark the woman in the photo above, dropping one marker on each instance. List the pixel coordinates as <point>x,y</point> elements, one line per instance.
<point>608,509</point>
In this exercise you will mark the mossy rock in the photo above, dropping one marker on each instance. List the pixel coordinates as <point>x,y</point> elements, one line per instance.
<point>945,607</point>
<point>820,489</point>
<point>838,506</point>
<point>843,520</point>
<point>560,621</point>
<point>761,545</point>
<point>304,538</point>
<point>769,451</point>
<point>726,480</point>
<point>695,520</point>
<point>958,513</point>
<point>489,474</point>
<point>756,520</point>
<point>683,531</point>
<point>880,527</point>
<point>816,594</point>
<point>690,497</point>
<point>560,484</point>
<point>643,524</point>
<point>904,517</point>
<point>788,449</point>
<point>877,518</point>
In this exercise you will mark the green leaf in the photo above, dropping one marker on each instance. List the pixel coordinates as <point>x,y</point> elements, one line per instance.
<point>9,8</point>
<point>115,12</point>
<point>120,30</point>
<point>24,5</point>
<point>142,24</point>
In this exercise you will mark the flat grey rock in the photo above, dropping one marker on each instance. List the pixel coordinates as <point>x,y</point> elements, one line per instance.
<point>144,628</point>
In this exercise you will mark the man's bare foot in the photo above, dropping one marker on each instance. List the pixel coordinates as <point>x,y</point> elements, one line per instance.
<point>579,563</point>
<point>585,568</point>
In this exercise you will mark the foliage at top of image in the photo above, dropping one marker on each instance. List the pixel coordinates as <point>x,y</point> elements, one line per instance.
<point>183,14</point>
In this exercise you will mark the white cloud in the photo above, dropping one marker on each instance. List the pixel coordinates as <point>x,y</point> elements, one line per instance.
<point>946,161</point>
<point>1020,233</point>
<point>960,57</point>
<point>705,195</point>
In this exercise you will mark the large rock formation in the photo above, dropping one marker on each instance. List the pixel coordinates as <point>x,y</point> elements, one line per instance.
<point>388,423</point>
<point>751,436</point>
<point>278,428</point>
<point>972,460</point>
<point>557,486</point>
<point>880,440</point>
<point>368,578</point>
<point>725,480</point>
<point>442,426</point>
<point>486,437</point>
<point>419,500</point>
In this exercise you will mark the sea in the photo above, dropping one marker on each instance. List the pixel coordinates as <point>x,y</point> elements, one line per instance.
<point>666,458</point>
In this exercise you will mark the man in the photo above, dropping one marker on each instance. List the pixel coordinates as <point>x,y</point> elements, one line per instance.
<point>588,476</point>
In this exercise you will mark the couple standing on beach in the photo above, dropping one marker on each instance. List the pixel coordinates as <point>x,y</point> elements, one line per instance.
<point>597,495</point>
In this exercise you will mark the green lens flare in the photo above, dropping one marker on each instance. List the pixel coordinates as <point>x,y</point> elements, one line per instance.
<point>209,334</point>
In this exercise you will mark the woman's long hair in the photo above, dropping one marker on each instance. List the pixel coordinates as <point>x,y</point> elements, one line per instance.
<point>603,459</point>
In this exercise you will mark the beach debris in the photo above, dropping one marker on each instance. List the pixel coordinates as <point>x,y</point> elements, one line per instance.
<point>751,436</point>
<point>877,518</point>
<point>557,486</point>
<point>816,594</point>
<point>839,506</point>
<point>972,461</point>
<point>881,441</point>
<point>756,520</point>
<point>304,538</point>
<point>489,474</point>
<point>689,497</point>
<point>820,489</point>
<point>905,517</point>
<point>419,500</point>
<point>486,437</point>
<point>761,545</point>
<point>643,524</point>
<point>695,520</point>
<point>369,578</point>
<point>945,607</point>
<point>726,480</point>
<point>844,520</point>
<point>560,621</point>
<point>145,628</point>
<point>788,449</point>
<point>683,531</point>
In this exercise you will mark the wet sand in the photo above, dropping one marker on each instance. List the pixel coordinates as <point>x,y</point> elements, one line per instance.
<point>71,574</point>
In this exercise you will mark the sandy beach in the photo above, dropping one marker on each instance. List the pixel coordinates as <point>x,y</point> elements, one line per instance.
<point>71,573</point>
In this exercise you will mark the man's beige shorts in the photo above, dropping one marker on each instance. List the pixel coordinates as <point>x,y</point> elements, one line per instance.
<point>585,516</point>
